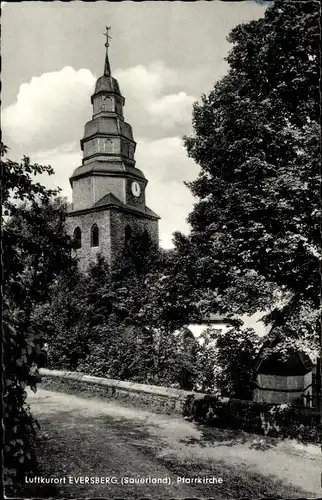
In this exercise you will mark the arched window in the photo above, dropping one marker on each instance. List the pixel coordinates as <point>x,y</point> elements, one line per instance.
<point>128,233</point>
<point>108,146</point>
<point>94,236</point>
<point>78,237</point>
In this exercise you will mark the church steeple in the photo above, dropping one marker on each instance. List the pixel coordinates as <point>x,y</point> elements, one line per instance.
<point>107,67</point>
<point>108,145</point>
<point>107,136</point>
<point>108,189</point>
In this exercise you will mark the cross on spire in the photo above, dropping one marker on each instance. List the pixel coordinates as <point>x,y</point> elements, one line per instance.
<point>107,68</point>
<point>108,37</point>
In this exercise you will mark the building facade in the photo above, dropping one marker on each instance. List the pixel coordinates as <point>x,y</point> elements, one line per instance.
<point>108,190</point>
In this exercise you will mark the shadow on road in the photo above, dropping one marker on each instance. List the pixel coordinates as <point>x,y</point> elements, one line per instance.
<point>211,436</point>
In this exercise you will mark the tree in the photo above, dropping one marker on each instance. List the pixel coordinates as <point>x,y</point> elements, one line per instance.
<point>188,348</point>
<point>207,364</point>
<point>174,292</point>
<point>256,139</point>
<point>102,311</point>
<point>121,322</point>
<point>35,249</point>
<point>235,362</point>
<point>66,329</point>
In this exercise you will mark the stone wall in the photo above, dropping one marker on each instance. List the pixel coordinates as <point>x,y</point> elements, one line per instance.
<point>111,224</point>
<point>159,399</point>
<point>130,200</point>
<point>276,420</point>
<point>260,418</point>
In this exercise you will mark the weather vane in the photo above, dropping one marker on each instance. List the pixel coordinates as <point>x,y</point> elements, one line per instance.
<point>108,37</point>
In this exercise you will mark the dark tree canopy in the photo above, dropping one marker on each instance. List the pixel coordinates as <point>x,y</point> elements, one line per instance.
<point>256,139</point>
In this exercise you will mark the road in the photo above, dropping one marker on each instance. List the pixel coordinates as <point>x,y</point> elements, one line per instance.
<point>92,438</point>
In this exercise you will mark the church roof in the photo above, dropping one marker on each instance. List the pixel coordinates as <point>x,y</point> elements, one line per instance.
<point>108,145</point>
<point>108,125</point>
<point>109,151</point>
<point>108,167</point>
<point>150,212</point>
<point>110,200</point>
<point>107,83</point>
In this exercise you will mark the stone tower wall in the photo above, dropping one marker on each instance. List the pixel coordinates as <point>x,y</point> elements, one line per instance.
<point>111,224</point>
<point>82,193</point>
<point>87,253</point>
<point>88,190</point>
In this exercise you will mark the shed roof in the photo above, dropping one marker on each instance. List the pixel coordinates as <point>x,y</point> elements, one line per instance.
<point>295,363</point>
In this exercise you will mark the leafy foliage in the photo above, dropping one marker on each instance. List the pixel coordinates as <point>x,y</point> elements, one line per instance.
<point>235,362</point>
<point>256,139</point>
<point>122,323</point>
<point>35,250</point>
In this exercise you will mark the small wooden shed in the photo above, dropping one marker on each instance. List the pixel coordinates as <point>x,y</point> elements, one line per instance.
<point>283,379</point>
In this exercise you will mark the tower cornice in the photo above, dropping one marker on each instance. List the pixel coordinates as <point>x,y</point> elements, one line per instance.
<point>108,169</point>
<point>115,206</point>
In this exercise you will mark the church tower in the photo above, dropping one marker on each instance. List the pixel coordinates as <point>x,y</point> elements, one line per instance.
<point>108,189</point>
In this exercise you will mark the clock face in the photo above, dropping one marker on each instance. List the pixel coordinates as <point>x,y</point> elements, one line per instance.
<point>135,188</point>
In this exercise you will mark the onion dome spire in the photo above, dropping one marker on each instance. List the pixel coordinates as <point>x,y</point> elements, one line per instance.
<point>107,67</point>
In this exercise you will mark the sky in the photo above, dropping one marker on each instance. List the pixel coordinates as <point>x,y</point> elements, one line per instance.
<point>165,55</point>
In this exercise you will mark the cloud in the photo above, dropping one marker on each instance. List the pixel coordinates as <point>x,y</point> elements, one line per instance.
<point>155,100</point>
<point>165,160</point>
<point>171,110</point>
<point>145,83</point>
<point>50,109</point>
<point>64,160</point>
